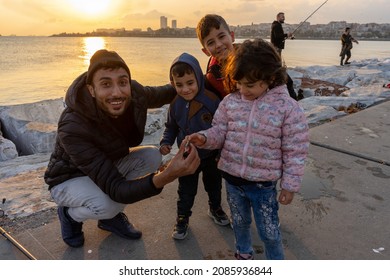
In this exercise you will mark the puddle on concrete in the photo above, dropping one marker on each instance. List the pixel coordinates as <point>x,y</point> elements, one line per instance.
<point>313,186</point>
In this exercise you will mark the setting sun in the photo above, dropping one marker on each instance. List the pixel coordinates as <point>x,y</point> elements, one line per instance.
<point>90,7</point>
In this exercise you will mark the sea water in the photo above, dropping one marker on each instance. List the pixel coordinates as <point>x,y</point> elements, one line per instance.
<point>39,68</point>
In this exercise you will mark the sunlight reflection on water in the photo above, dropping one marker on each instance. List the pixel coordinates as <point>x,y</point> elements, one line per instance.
<point>91,45</point>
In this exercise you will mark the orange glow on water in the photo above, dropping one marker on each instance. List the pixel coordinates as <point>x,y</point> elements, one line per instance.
<point>90,46</point>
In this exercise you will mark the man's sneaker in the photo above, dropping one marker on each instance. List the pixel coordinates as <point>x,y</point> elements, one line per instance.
<point>346,63</point>
<point>219,216</point>
<point>180,231</point>
<point>71,230</point>
<point>121,226</point>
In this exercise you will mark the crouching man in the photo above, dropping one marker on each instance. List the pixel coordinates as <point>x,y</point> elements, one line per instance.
<point>97,166</point>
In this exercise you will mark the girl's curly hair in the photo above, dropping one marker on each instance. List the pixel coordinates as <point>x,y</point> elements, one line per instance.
<point>255,60</point>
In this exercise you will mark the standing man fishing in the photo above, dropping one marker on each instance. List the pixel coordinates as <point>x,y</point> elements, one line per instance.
<point>346,46</point>
<point>278,37</point>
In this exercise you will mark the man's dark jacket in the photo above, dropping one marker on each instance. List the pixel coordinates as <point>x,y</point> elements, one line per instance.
<point>87,144</point>
<point>277,35</point>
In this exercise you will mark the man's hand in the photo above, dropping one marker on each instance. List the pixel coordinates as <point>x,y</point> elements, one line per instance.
<point>178,166</point>
<point>186,161</point>
<point>285,197</point>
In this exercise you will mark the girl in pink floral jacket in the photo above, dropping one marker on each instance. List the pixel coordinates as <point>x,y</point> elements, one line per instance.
<point>263,137</point>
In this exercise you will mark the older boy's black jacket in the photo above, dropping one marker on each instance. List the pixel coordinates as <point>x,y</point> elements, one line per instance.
<point>87,144</point>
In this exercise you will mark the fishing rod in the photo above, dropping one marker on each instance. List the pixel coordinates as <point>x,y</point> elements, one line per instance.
<point>12,240</point>
<point>17,244</point>
<point>308,17</point>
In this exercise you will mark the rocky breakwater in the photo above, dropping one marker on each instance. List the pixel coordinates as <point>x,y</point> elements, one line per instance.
<point>29,130</point>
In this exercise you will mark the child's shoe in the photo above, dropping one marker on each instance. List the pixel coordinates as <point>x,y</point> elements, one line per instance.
<point>245,257</point>
<point>180,230</point>
<point>219,216</point>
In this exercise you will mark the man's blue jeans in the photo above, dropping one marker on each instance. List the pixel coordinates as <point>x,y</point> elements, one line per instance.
<point>262,200</point>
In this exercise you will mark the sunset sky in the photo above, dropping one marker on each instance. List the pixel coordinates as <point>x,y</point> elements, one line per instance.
<point>46,17</point>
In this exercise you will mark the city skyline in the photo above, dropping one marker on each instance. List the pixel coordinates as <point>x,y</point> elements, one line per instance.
<point>39,17</point>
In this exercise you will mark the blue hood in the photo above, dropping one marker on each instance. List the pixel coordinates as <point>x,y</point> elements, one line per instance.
<point>194,63</point>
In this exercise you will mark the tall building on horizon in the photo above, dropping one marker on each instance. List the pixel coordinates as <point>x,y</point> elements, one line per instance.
<point>174,23</point>
<point>163,22</point>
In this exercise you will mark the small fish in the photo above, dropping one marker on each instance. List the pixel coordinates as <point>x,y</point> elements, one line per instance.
<point>186,149</point>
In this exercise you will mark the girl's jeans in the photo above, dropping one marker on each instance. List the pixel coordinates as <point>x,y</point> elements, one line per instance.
<point>87,201</point>
<point>262,200</point>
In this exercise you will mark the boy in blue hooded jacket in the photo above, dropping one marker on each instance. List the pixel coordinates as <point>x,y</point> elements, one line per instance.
<point>192,110</point>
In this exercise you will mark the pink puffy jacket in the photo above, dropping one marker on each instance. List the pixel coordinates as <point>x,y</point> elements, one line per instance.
<point>262,140</point>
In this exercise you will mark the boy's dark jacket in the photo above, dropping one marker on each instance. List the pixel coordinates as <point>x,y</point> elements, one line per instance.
<point>87,144</point>
<point>187,117</point>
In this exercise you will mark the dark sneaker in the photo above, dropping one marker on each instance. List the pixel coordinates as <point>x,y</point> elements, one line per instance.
<point>71,230</point>
<point>346,63</point>
<point>121,226</point>
<point>244,257</point>
<point>180,231</point>
<point>219,216</point>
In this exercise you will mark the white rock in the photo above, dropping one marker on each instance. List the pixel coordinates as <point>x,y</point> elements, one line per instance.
<point>32,127</point>
<point>7,149</point>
